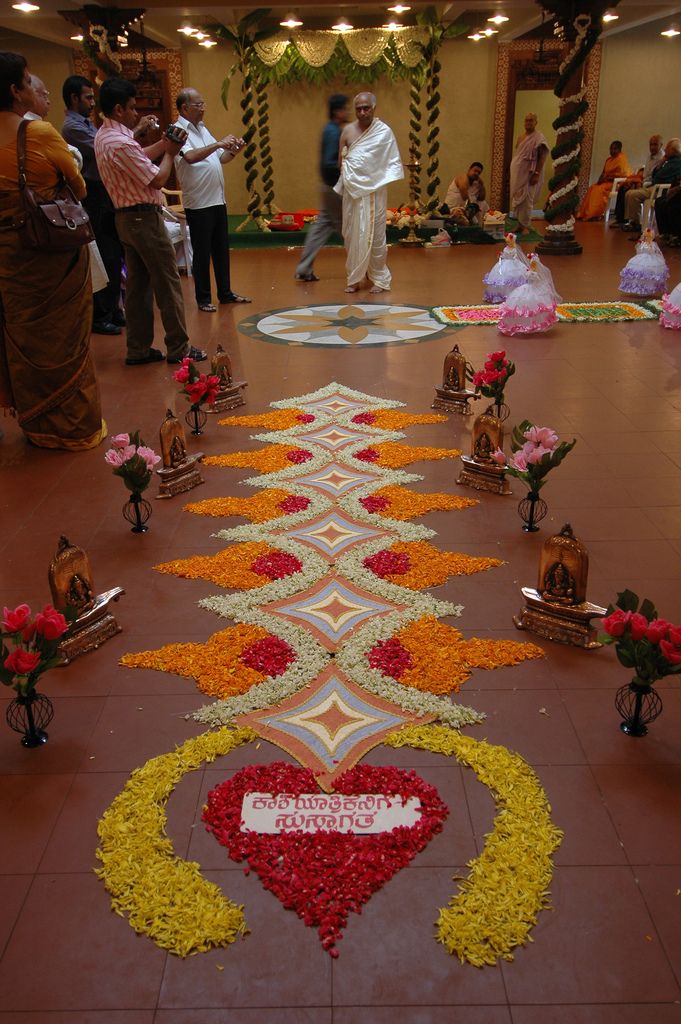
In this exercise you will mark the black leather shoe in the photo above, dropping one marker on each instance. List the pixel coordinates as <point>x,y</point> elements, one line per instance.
<point>106,328</point>
<point>118,318</point>
<point>153,356</point>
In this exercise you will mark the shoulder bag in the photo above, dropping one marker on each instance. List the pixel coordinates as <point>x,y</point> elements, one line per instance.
<point>56,225</point>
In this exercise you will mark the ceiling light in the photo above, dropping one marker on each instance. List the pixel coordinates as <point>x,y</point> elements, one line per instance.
<point>393,26</point>
<point>498,19</point>
<point>489,31</point>
<point>25,7</point>
<point>77,39</point>
<point>670,32</point>
<point>476,36</point>
<point>291,21</point>
<point>208,43</point>
<point>187,30</point>
<point>122,41</point>
<point>399,8</point>
<point>610,16</point>
<point>342,25</point>
<point>200,35</point>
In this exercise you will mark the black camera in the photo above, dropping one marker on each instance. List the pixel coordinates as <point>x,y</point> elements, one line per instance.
<point>176,134</point>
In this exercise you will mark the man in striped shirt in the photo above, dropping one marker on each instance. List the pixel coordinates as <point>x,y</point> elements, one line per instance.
<point>133,181</point>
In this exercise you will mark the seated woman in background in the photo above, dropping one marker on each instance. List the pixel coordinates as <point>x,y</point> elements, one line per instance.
<point>596,199</point>
<point>47,375</point>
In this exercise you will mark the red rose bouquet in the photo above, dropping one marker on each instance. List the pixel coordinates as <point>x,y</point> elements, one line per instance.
<point>29,646</point>
<point>196,387</point>
<point>492,379</point>
<point>643,642</point>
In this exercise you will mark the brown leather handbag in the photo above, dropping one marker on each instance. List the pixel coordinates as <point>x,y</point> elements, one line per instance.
<point>55,225</point>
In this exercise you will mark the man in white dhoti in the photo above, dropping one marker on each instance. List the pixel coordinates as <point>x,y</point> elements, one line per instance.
<point>370,161</point>
<point>527,172</point>
<point>466,196</point>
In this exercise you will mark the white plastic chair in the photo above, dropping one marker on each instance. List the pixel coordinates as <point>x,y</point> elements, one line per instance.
<point>648,214</point>
<point>612,199</point>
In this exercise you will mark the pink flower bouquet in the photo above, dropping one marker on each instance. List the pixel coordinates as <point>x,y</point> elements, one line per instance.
<point>536,451</point>
<point>132,460</point>
<point>196,387</point>
<point>643,642</point>
<point>33,642</point>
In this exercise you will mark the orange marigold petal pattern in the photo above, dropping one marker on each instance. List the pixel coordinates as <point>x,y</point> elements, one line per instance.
<point>391,419</point>
<point>443,659</point>
<point>406,504</point>
<point>431,567</point>
<point>228,568</point>
<point>259,508</point>
<point>266,460</point>
<point>280,419</point>
<point>215,664</point>
<point>393,454</point>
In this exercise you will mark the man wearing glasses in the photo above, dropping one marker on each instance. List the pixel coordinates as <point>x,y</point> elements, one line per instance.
<point>370,161</point>
<point>199,172</point>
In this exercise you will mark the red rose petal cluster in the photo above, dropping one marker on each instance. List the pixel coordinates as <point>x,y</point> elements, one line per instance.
<point>374,503</point>
<point>391,658</point>
<point>294,503</point>
<point>277,565</point>
<point>367,455</point>
<point>388,563</point>
<point>298,455</point>
<point>325,875</point>
<point>366,418</point>
<point>271,655</point>
<point>305,417</point>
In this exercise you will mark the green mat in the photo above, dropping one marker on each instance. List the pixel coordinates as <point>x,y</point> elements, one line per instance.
<point>251,236</point>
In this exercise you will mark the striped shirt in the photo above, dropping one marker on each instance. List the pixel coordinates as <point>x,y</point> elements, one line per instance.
<point>124,167</point>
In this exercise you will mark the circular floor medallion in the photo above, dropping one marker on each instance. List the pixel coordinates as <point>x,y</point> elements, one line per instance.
<point>342,326</point>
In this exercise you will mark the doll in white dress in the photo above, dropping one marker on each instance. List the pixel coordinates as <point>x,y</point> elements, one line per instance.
<point>531,308</point>
<point>671,310</point>
<point>646,273</point>
<point>509,272</point>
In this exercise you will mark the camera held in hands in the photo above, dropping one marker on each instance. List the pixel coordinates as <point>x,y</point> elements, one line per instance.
<point>176,134</point>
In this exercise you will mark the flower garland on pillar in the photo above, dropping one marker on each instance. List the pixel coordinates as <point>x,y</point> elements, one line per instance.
<point>585,28</point>
<point>415,130</point>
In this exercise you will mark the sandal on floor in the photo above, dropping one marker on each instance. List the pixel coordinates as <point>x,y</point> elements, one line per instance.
<point>233,297</point>
<point>306,277</point>
<point>207,307</point>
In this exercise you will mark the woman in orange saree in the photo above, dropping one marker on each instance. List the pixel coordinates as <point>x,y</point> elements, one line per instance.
<point>596,199</point>
<point>47,375</point>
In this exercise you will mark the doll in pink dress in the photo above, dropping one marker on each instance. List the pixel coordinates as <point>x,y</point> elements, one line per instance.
<point>531,308</point>
<point>509,272</point>
<point>671,310</point>
<point>646,273</point>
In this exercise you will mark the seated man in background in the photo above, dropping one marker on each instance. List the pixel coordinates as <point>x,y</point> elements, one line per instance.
<point>668,214</point>
<point>465,199</point>
<point>595,202</point>
<point>666,173</point>
<point>642,178</point>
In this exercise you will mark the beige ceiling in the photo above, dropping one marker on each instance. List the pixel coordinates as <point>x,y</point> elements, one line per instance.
<point>164,17</point>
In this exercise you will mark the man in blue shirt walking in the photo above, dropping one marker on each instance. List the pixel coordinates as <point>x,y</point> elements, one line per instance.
<point>330,216</point>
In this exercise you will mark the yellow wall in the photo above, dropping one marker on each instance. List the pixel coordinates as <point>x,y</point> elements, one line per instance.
<point>298,114</point>
<point>48,61</point>
<point>639,93</point>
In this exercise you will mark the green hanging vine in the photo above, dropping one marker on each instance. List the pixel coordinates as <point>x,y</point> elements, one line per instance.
<point>415,131</point>
<point>263,126</point>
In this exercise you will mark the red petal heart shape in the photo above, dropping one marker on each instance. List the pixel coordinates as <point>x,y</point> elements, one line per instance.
<point>323,876</point>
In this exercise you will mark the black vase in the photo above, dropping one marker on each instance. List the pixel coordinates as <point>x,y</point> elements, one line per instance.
<point>501,411</point>
<point>137,511</point>
<point>196,418</point>
<point>638,705</point>
<point>532,510</point>
<point>30,713</point>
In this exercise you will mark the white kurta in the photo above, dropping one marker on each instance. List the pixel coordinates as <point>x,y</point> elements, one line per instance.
<point>370,164</point>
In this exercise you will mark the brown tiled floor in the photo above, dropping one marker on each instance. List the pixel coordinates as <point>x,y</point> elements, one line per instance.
<point>609,951</point>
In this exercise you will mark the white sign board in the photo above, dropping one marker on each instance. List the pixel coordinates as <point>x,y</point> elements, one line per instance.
<point>361,813</point>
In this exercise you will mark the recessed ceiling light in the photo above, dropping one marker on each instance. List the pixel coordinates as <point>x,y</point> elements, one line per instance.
<point>25,7</point>
<point>208,43</point>
<point>498,19</point>
<point>399,8</point>
<point>476,36</point>
<point>77,39</point>
<point>342,25</point>
<point>200,35</point>
<point>670,32</point>
<point>393,26</point>
<point>610,16</point>
<point>187,30</point>
<point>489,31</point>
<point>291,21</point>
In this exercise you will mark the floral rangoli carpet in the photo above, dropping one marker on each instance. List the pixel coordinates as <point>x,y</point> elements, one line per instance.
<point>567,312</point>
<point>335,646</point>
